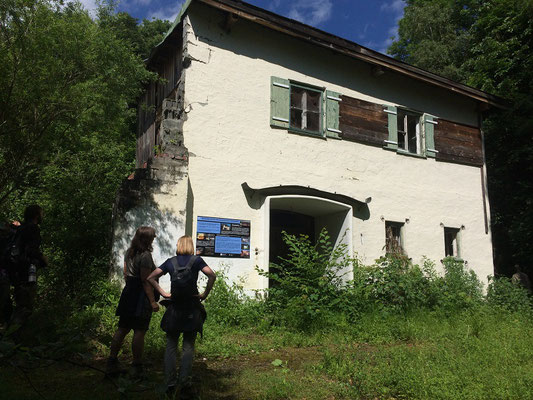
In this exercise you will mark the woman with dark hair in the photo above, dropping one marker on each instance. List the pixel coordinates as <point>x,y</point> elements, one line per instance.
<point>137,301</point>
<point>185,314</point>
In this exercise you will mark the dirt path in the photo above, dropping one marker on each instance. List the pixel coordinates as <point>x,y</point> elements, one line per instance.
<point>237,378</point>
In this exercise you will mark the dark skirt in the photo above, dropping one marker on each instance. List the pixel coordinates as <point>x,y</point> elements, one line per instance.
<point>181,318</point>
<point>133,300</point>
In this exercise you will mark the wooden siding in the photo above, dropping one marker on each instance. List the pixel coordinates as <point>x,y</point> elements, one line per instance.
<point>362,121</point>
<point>458,143</point>
<point>169,69</point>
<point>366,122</point>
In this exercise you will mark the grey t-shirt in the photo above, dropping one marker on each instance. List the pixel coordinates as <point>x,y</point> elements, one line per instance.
<point>140,260</point>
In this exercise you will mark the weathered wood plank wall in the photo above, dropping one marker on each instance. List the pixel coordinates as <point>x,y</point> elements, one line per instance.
<point>168,66</point>
<point>362,121</point>
<point>365,122</point>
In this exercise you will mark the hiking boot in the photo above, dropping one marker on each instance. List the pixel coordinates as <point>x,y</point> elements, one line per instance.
<point>171,391</point>
<point>138,371</point>
<point>113,368</point>
<point>187,391</point>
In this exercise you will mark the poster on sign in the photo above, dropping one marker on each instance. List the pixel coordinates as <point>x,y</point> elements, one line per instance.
<point>222,237</point>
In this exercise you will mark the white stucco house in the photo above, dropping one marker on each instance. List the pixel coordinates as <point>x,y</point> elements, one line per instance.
<point>264,124</point>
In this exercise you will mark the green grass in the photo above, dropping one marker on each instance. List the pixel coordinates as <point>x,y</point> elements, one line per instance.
<point>480,353</point>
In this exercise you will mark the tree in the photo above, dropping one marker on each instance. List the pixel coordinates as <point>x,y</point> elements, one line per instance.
<point>66,86</point>
<point>141,37</point>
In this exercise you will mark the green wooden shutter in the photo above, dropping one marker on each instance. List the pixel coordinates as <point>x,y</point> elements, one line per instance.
<point>429,132</point>
<point>392,142</point>
<point>280,102</point>
<point>332,114</point>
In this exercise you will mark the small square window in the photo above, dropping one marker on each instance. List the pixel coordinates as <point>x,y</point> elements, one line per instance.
<point>306,109</point>
<point>409,137</point>
<point>394,237</point>
<point>451,242</point>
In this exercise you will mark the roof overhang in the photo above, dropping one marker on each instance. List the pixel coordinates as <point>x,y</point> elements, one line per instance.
<point>334,43</point>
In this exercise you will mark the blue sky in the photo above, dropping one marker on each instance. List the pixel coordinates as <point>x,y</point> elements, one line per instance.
<point>370,23</point>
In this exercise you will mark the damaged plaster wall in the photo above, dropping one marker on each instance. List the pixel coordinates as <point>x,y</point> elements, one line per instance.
<point>155,197</point>
<point>160,195</point>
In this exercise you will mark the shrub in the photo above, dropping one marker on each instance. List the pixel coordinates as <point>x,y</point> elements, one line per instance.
<point>306,288</point>
<point>459,288</point>
<point>229,305</point>
<point>502,293</point>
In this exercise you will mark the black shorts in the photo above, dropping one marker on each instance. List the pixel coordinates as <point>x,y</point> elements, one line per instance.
<point>135,323</point>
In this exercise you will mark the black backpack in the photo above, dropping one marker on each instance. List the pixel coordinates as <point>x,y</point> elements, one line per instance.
<point>183,279</point>
<point>11,248</point>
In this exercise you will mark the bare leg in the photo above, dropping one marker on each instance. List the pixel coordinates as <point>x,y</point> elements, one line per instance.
<point>137,346</point>
<point>117,341</point>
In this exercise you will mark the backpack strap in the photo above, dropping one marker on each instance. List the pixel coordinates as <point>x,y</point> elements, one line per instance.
<point>175,264</point>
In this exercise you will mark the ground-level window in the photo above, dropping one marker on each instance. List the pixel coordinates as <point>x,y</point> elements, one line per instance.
<point>451,242</point>
<point>306,109</point>
<point>409,131</point>
<point>393,237</point>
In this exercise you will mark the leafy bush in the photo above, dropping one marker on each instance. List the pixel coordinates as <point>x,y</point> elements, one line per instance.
<point>307,285</point>
<point>459,288</point>
<point>227,304</point>
<point>502,293</point>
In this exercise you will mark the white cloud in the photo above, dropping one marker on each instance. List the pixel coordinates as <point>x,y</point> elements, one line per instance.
<point>311,12</point>
<point>89,5</point>
<point>393,6</point>
<point>169,12</point>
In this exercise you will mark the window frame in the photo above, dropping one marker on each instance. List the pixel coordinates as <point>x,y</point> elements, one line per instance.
<point>418,131</point>
<point>457,240</point>
<point>401,226</point>
<point>321,91</point>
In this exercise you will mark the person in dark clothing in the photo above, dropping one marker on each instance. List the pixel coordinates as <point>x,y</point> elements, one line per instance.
<point>7,231</point>
<point>521,279</point>
<point>22,273</point>
<point>137,301</point>
<point>185,314</point>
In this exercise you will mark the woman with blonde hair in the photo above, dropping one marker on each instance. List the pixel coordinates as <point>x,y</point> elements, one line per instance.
<point>137,301</point>
<point>185,314</point>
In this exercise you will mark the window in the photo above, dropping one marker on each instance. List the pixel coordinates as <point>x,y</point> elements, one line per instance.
<point>304,108</point>
<point>451,242</point>
<point>408,131</point>
<point>393,237</point>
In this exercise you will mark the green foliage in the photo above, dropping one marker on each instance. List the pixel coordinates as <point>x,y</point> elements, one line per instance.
<point>306,286</point>
<point>475,354</point>
<point>504,294</point>
<point>460,288</point>
<point>395,284</point>
<point>228,305</point>
<point>67,86</point>
<point>141,37</point>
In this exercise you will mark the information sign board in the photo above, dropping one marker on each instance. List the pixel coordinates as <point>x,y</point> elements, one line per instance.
<point>222,237</point>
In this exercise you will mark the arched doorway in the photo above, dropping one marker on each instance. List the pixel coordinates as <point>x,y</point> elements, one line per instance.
<point>307,215</point>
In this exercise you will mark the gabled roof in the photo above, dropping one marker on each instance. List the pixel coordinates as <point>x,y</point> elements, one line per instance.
<point>324,39</point>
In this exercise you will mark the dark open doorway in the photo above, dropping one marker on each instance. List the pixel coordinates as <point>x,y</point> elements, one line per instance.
<point>294,224</point>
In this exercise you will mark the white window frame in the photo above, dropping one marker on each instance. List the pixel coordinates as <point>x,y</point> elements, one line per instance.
<point>456,242</point>
<point>405,132</point>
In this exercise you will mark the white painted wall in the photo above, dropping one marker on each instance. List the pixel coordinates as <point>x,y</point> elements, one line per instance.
<point>228,135</point>
<point>164,210</point>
